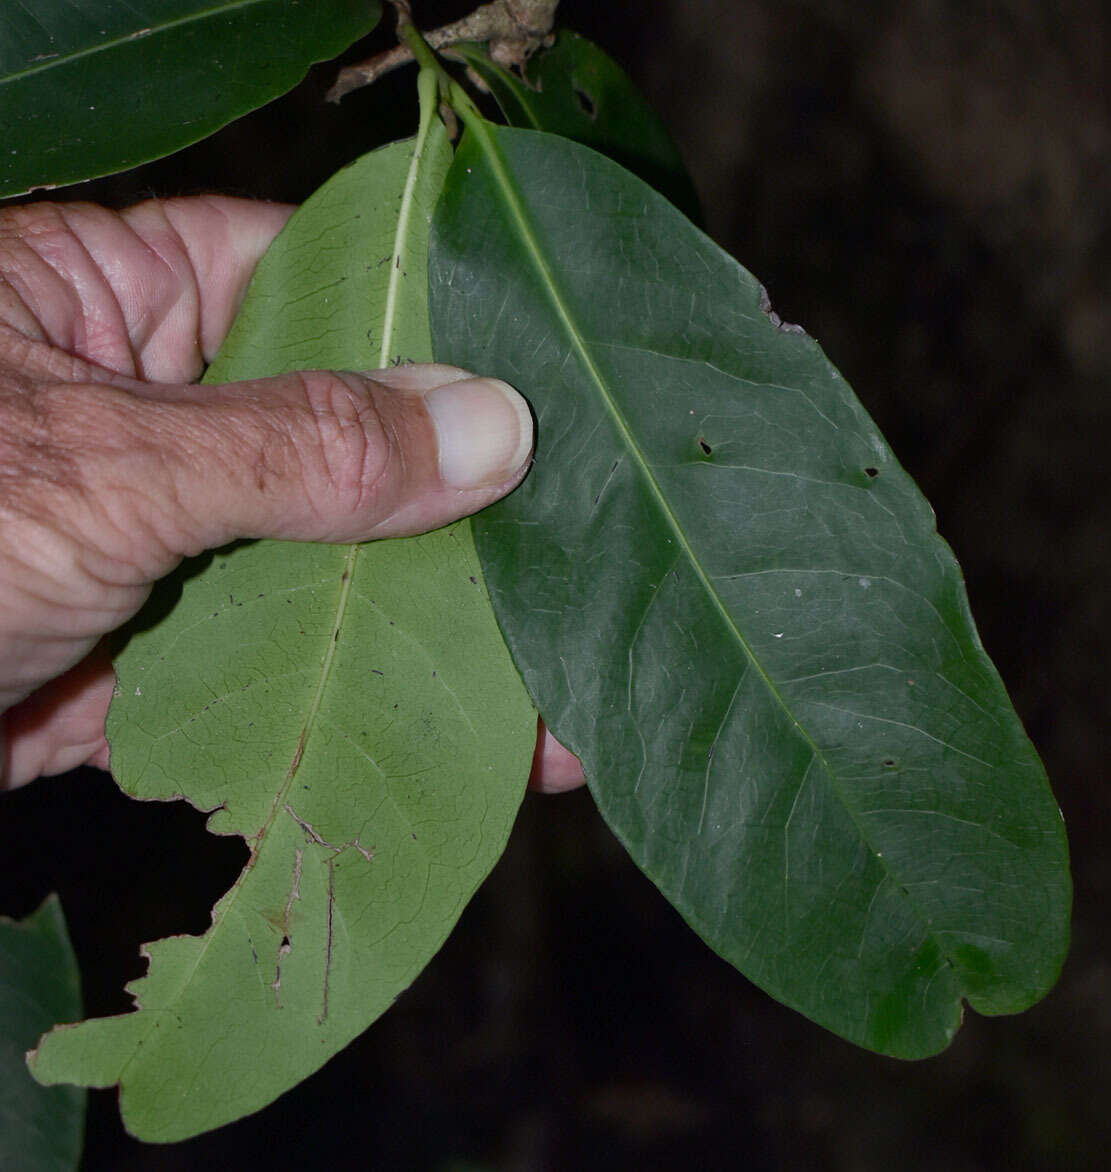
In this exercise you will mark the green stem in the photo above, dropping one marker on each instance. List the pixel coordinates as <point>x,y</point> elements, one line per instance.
<point>450,90</point>
<point>409,34</point>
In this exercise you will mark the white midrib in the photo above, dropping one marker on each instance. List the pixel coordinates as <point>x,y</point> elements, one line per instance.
<point>389,317</point>
<point>405,215</point>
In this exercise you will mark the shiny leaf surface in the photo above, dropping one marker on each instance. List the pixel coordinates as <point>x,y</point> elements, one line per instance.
<point>88,89</point>
<point>728,598</point>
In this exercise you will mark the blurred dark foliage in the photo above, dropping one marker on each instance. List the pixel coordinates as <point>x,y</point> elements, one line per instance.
<point>925,187</point>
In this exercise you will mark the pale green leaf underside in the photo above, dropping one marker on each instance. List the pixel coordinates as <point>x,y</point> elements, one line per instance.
<point>91,88</point>
<point>351,711</point>
<point>729,600</point>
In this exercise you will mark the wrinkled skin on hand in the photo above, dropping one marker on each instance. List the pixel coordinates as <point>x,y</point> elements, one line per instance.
<point>114,466</point>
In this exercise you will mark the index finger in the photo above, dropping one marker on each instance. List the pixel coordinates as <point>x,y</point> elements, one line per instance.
<point>147,293</point>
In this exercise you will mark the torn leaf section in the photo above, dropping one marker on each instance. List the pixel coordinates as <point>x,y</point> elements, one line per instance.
<point>276,960</point>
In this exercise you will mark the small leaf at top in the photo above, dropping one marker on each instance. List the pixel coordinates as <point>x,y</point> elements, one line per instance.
<point>41,1128</point>
<point>351,711</point>
<point>576,90</point>
<point>728,598</point>
<point>88,89</point>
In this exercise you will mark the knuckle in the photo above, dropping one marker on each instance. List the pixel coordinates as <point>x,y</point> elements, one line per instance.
<point>116,482</point>
<point>349,457</point>
<point>73,486</point>
<point>35,239</point>
<point>35,462</point>
<point>21,227</point>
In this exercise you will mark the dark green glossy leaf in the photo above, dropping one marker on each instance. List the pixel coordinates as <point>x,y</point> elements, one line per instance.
<point>41,1128</point>
<point>728,598</point>
<point>576,90</point>
<point>351,711</point>
<point>91,88</point>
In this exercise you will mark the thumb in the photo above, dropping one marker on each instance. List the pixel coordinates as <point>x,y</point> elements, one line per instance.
<point>313,456</point>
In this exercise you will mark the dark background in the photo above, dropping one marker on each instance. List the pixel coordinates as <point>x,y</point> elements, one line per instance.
<point>925,187</point>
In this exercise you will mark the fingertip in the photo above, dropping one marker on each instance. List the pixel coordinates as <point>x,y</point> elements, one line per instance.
<point>483,426</point>
<point>483,432</point>
<point>555,769</point>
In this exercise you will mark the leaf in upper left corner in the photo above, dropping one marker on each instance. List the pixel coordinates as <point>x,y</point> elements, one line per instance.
<point>92,88</point>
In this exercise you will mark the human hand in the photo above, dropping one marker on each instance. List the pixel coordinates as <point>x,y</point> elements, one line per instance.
<point>113,468</point>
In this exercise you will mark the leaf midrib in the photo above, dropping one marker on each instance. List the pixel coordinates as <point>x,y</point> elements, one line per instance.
<point>351,557</point>
<point>548,281</point>
<point>524,227</point>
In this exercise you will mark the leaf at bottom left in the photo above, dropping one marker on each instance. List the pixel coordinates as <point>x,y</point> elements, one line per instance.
<point>351,711</point>
<point>41,1128</point>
